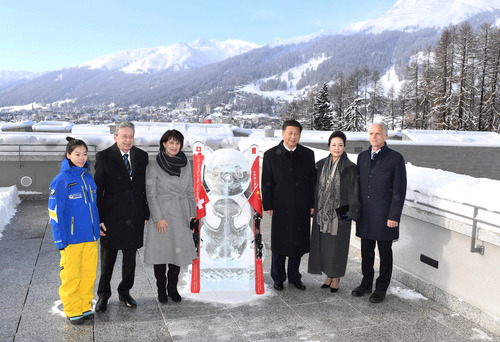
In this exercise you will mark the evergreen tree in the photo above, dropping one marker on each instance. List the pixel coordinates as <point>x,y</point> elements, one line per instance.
<point>354,120</point>
<point>338,94</point>
<point>376,96</point>
<point>441,97</point>
<point>465,54</point>
<point>292,111</point>
<point>322,110</point>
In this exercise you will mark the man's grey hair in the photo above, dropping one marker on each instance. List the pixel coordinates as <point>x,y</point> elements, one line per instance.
<point>123,125</point>
<point>385,129</point>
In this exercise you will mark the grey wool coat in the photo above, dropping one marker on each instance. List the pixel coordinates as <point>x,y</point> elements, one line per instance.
<point>329,252</point>
<point>170,198</point>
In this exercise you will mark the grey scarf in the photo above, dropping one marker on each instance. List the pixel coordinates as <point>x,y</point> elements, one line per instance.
<point>329,196</point>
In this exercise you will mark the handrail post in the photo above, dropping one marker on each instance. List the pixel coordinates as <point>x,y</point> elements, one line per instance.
<point>473,247</point>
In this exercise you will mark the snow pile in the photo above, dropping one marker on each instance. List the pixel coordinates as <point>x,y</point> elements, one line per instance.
<point>8,202</point>
<point>480,335</point>
<point>405,293</point>
<point>448,191</point>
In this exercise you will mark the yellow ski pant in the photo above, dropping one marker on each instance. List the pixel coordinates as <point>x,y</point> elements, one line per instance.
<point>78,272</point>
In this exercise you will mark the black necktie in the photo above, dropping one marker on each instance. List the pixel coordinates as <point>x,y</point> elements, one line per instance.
<point>127,164</point>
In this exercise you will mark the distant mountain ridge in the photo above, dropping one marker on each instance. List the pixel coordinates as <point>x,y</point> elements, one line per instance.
<point>212,72</point>
<point>410,15</point>
<point>179,56</point>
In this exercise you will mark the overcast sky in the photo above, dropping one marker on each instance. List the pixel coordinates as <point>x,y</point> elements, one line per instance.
<point>48,35</point>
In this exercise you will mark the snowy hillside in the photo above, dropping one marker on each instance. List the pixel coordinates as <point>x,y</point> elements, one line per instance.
<point>291,92</point>
<point>410,15</point>
<point>179,56</point>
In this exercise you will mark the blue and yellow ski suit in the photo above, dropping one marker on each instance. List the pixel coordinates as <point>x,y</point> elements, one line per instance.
<point>75,229</point>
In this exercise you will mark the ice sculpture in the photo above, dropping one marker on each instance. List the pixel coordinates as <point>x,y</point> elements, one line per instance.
<point>227,255</point>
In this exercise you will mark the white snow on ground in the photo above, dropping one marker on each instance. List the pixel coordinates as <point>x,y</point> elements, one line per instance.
<point>235,298</point>
<point>480,335</point>
<point>405,293</point>
<point>8,203</point>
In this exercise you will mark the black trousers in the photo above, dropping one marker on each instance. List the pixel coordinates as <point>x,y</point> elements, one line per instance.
<point>368,260</point>
<point>108,259</point>
<point>278,268</point>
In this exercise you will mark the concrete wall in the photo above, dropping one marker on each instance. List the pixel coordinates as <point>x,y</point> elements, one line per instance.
<point>37,165</point>
<point>465,282</point>
<point>474,160</point>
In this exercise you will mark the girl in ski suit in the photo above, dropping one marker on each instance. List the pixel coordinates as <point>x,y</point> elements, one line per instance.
<point>75,229</point>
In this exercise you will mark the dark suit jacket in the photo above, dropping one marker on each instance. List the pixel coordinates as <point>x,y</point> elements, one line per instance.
<point>288,189</point>
<point>382,190</point>
<point>122,201</point>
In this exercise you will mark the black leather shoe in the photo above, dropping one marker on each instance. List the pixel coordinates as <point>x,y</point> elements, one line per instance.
<point>101,305</point>
<point>377,297</point>
<point>361,290</point>
<point>333,289</point>
<point>300,285</point>
<point>128,300</point>
<point>278,286</point>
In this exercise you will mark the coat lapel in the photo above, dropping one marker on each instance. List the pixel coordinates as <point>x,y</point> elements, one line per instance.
<point>117,157</point>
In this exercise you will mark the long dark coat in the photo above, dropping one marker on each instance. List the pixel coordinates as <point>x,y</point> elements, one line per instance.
<point>288,189</point>
<point>122,201</point>
<point>329,252</point>
<point>382,186</point>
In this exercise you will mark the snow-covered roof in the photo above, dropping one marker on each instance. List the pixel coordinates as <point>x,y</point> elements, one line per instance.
<point>53,126</point>
<point>446,136</point>
<point>13,125</point>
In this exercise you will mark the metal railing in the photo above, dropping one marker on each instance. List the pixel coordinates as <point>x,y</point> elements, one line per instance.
<point>475,220</point>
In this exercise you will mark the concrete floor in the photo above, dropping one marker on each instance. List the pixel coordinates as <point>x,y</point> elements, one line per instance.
<point>29,281</point>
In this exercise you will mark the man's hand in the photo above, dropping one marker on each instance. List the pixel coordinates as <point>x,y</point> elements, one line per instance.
<point>161,226</point>
<point>392,224</point>
<point>269,212</point>
<point>312,211</point>
<point>103,229</point>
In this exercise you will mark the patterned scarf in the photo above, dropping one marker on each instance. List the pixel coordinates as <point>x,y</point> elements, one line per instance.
<point>329,196</point>
<point>171,165</point>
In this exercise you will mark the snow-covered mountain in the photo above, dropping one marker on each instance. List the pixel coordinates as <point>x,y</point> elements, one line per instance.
<point>410,15</point>
<point>281,69</point>
<point>10,78</point>
<point>178,56</point>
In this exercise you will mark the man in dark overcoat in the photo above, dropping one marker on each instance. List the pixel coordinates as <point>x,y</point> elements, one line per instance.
<point>120,175</point>
<point>382,188</point>
<point>288,179</point>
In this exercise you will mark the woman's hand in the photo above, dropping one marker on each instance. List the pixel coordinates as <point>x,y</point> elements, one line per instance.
<point>161,226</point>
